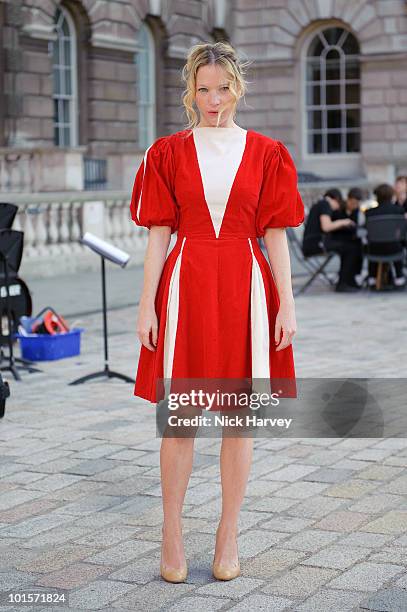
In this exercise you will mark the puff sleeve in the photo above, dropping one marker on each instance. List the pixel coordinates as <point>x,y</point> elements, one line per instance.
<point>153,201</point>
<point>280,203</point>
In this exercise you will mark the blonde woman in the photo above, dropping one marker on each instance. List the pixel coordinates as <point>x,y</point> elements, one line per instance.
<point>212,308</point>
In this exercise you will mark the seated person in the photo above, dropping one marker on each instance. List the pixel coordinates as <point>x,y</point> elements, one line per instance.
<point>400,188</point>
<point>350,210</point>
<point>385,195</point>
<point>319,236</point>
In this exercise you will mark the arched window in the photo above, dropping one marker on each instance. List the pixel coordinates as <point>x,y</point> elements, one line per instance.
<point>145,60</point>
<point>64,80</point>
<point>333,92</point>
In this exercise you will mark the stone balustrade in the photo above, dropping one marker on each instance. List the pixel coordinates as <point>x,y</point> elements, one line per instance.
<point>53,224</point>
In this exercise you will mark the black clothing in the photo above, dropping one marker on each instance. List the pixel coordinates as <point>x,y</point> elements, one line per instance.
<point>351,253</point>
<point>343,242</point>
<point>385,248</point>
<point>403,205</point>
<point>346,233</point>
<point>312,239</point>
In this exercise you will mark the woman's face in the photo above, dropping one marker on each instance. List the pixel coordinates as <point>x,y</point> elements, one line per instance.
<point>213,95</point>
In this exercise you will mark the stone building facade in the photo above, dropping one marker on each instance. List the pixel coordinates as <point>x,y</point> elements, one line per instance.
<point>329,78</point>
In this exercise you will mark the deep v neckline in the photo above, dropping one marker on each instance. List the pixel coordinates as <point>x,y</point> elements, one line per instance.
<point>222,209</point>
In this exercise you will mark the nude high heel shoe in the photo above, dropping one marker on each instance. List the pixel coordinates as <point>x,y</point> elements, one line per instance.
<point>172,574</point>
<point>225,572</point>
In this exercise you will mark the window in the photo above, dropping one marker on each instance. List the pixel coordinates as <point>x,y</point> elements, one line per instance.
<point>64,80</point>
<point>145,60</point>
<point>333,93</point>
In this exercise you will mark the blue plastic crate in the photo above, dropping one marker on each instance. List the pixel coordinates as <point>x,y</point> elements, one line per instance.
<point>44,347</point>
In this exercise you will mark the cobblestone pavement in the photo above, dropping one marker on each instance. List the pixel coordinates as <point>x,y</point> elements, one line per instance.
<point>324,523</point>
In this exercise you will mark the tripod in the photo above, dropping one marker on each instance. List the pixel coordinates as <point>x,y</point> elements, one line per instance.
<point>106,372</point>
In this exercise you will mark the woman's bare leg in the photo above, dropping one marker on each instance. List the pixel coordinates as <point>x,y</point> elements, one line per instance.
<point>176,459</point>
<point>235,461</point>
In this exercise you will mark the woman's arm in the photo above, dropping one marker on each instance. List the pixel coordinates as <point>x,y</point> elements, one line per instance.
<point>275,240</point>
<point>327,225</point>
<point>158,241</point>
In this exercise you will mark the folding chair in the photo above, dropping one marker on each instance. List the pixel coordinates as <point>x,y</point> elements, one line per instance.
<point>380,229</point>
<point>314,268</point>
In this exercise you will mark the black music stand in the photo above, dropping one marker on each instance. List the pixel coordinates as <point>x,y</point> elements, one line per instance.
<point>105,251</point>
<point>11,250</point>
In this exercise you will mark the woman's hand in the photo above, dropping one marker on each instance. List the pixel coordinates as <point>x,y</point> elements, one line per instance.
<point>285,324</point>
<point>147,322</point>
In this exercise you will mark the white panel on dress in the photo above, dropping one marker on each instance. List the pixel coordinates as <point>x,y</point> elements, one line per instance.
<point>260,334</point>
<point>172,316</point>
<point>219,152</point>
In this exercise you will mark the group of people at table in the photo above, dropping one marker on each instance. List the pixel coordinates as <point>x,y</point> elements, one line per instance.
<point>333,224</point>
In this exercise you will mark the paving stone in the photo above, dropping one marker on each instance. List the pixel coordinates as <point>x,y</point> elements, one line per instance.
<point>372,454</point>
<point>331,601</point>
<point>35,525</point>
<point>351,464</point>
<point>402,582</point>
<point>311,540</point>
<point>192,604</point>
<point>342,521</point>
<point>394,554</point>
<point>402,541</point>
<point>27,510</point>
<point>93,503</point>
<point>260,488</point>
<point>255,541</point>
<point>316,507</point>
<point>73,576</point>
<point>287,524</point>
<point>15,579</point>
<point>23,477</point>
<point>329,475</point>
<point>110,535</point>
<point>55,536</point>
<point>73,492</point>
<point>55,482</point>
<point>263,602</point>
<point>56,558</point>
<point>325,457</point>
<point>379,472</point>
<point>387,600</point>
<point>337,557</point>
<point>351,489</point>
<point>234,589</point>
<point>290,473</point>
<point>368,540</point>
<point>300,581</point>
<point>373,504</point>
<point>13,554</point>
<point>366,576</point>
<point>392,522</point>
<point>270,504</point>
<point>397,486</point>
<point>271,562</point>
<point>98,594</point>
<point>153,596</point>
<point>301,490</point>
<point>12,498</point>
<point>121,553</point>
<point>140,571</point>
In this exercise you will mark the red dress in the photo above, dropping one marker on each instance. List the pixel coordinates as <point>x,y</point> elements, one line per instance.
<point>216,303</point>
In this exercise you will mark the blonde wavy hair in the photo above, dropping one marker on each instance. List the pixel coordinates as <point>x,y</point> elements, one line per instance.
<point>222,54</point>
